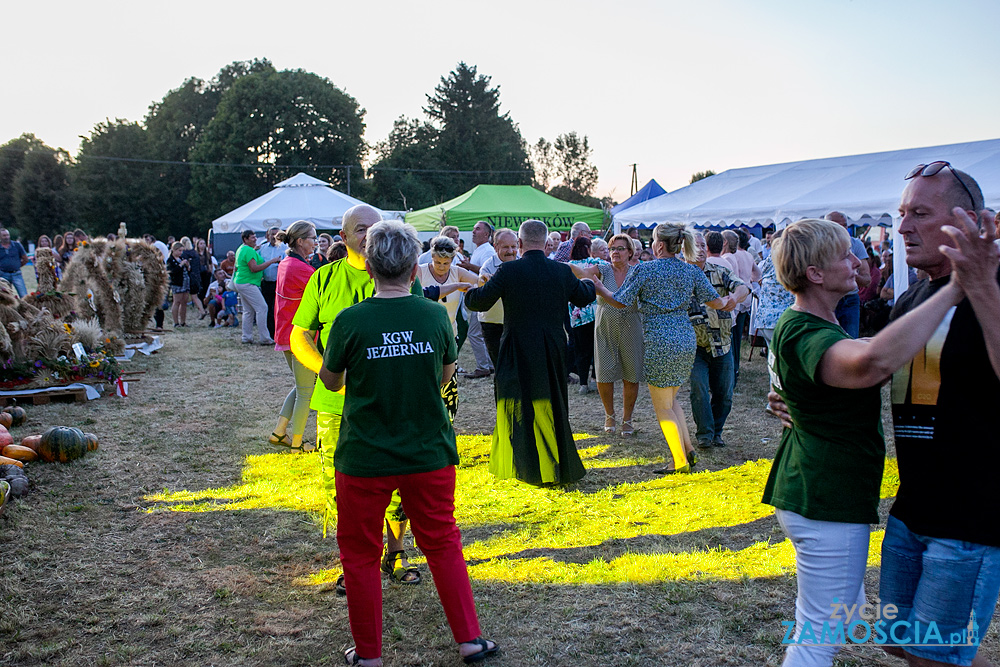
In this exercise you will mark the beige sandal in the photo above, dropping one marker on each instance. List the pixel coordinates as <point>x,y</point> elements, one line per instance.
<point>609,424</point>
<point>627,428</point>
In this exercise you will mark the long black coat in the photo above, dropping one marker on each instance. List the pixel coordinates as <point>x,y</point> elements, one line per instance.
<point>532,440</point>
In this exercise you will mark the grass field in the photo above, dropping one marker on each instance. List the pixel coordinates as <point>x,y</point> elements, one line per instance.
<point>185,540</point>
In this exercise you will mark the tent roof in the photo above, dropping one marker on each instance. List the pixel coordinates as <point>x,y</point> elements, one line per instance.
<point>504,206</point>
<point>300,197</point>
<point>866,188</point>
<point>648,191</point>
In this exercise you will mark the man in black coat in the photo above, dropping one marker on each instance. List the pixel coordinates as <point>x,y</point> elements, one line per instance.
<point>532,440</point>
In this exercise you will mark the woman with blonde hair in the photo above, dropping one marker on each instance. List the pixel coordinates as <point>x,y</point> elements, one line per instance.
<point>663,289</point>
<point>827,473</point>
<point>292,278</point>
<point>194,271</point>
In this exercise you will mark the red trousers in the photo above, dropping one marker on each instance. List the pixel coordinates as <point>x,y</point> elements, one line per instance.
<point>429,499</point>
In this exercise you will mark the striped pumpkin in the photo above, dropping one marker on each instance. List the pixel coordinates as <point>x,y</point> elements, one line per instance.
<point>62,444</point>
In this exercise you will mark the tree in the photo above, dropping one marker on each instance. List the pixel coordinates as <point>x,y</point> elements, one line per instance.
<point>111,185</point>
<point>543,160</point>
<point>699,175</point>
<point>572,160</point>
<point>267,119</point>
<point>12,156</point>
<point>42,200</point>
<point>467,141</point>
<point>174,125</point>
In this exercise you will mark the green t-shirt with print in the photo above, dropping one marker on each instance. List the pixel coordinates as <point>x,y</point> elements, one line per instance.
<point>332,288</point>
<point>243,275</point>
<point>828,466</point>
<point>394,422</point>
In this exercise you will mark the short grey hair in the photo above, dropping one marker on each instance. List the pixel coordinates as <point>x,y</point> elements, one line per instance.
<point>731,238</point>
<point>578,228</point>
<point>533,233</point>
<point>392,248</point>
<point>502,232</point>
<point>598,243</point>
<point>443,246</point>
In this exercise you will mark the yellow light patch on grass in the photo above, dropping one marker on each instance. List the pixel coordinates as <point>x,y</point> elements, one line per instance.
<point>558,536</point>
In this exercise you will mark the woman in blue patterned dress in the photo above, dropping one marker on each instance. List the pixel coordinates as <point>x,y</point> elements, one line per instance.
<point>663,289</point>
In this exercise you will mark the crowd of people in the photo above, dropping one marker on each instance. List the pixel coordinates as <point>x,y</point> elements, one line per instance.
<point>371,324</point>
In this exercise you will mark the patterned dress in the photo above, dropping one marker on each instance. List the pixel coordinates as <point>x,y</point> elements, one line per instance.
<point>663,289</point>
<point>618,336</point>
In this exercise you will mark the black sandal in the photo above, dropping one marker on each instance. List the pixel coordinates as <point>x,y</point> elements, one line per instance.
<point>279,440</point>
<point>484,652</point>
<point>340,587</point>
<point>351,656</point>
<point>400,573</point>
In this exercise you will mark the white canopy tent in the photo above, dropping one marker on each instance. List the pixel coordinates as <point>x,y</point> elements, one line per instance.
<point>866,188</point>
<point>300,197</point>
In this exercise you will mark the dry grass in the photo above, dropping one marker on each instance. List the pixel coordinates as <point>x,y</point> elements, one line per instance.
<point>186,541</point>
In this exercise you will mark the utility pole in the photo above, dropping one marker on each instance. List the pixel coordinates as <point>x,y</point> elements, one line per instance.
<point>635,181</point>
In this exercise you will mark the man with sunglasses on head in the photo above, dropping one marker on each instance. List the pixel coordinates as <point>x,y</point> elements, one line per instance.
<point>941,551</point>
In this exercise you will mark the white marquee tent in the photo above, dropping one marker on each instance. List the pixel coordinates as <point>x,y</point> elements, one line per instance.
<point>300,197</point>
<point>866,188</point>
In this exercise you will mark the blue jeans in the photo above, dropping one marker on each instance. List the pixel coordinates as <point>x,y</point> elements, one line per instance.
<point>849,313</point>
<point>17,280</point>
<point>948,582</point>
<point>740,322</point>
<point>711,394</point>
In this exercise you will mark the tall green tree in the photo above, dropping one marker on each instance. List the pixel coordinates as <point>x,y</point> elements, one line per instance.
<point>12,156</point>
<point>174,125</point>
<point>42,200</point>
<point>465,142</point>
<point>112,184</point>
<point>573,163</point>
<point>543,161</point>
<point>268,119</point>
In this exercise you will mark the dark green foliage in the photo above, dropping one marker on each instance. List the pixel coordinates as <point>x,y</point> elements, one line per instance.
<point>267,119</point>
<point>466,133</point>
<point>42,200</point>
<point>699,175</point>
<point>12,156</point>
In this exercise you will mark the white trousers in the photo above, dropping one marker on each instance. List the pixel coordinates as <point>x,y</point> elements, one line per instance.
<point>475,338</point>
<point>830,561</point>
<point>254,309</point>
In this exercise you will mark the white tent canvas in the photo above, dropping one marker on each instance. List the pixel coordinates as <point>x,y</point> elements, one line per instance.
<point>866,188</point>
<point>300,197</point>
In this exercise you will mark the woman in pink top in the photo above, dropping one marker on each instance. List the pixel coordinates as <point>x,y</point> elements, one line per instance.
<point>292,278</point>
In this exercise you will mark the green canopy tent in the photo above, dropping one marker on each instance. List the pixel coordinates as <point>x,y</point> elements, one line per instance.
<point>504,206</point>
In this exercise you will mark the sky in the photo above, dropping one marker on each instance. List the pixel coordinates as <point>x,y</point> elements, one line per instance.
<point>673,87</point>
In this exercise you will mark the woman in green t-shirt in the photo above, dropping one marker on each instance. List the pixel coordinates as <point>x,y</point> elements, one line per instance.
<point>246,279</point>
<point>827,472</point>
<point>396,351</point>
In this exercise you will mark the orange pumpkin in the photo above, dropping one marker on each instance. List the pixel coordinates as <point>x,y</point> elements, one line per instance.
<point>91,441</point>
<point>5,437</point>
<point>31,442</point>
<point>20,453</point>
<point>6,460</point>
<point>6,419</point>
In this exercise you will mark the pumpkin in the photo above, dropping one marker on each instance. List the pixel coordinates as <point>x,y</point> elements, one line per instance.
<point>6,419</point>
<point>62,444</point>
<point>7,461</point>
<point>91,440</point>
<point>5,437</point>
<point>20,453</point>
<point>17,414</point>
<point>31,442</point>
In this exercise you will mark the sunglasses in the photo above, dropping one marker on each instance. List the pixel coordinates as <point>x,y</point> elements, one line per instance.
<point>932,169</point>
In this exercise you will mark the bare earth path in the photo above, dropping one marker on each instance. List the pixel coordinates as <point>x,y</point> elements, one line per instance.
<point>96,569</point>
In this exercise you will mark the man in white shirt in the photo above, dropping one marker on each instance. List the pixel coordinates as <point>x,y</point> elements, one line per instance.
<point>491,321</point>
<point>747,272</point>
<point>269,282</point>
<point>482,236</point>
